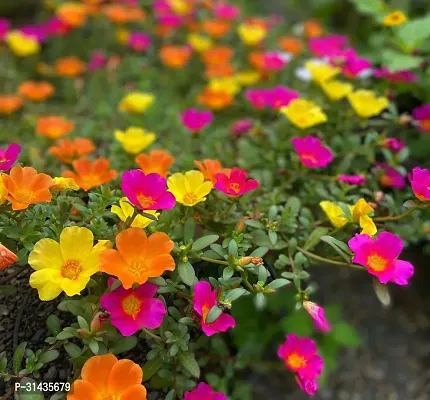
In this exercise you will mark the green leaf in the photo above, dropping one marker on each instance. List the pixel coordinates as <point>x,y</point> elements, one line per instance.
<point>232,247</point>
<point>83,323</point>
<point>72,349</point>
<point>234,294</point>
<point>64,335</point>
<point>345,335</point>
<point>314,237</point>
<point>254,224</point>
<point>412,33</point>
<point>213,314</point>
<point>94,346</point>
<point>340,247</point>
<point>53,324</point>
<point>23,394</point>
<point>190,364</point>
<point>189,229</point>
<point>259,252</point>
<point>18,357</point>
<point>273,237</point>
<point>124,344</point>
<point>371,7</point>
<point>382,292</point>
<point>49,356</point>
<point>293,205</point>
<point>396,61</point>
<point>186,273</point>
<point>278,283</point>
<point>149,216</point>
<point>151,367</point>
<point>204,241</point>
<point>7,290</point>
<point>299,323</point>
<point>171,395</point>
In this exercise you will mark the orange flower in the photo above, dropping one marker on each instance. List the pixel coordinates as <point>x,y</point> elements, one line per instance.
<point>69,67</point>
<point>7,257</point>
<point>91,174</point>
<point>291,44</point>
<point>36,91</point>
<point>25,186</point>
<point>53,126</point>
<point>217,55</point>
<point>215,99</point>
<point>209,168</point>
<point>106,377</point>
<point>67,150</point>
<point>72,14</point>
<point>157,161</point>
<point>220,71</point>
<point>121,14</point>
<point>9,103</point>
<point>163,30</point>
<point>138,257</point>
<point>216,28</point>
<point>175,56</point>
<point>313,28</point>
<point>256,59</point>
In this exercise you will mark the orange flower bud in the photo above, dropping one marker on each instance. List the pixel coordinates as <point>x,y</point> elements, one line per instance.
<point>7,257</point>
<point>249,260</point>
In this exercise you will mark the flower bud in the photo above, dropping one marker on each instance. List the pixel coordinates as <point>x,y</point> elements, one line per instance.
<point>98,321</point>
<point>7,257</point>
<point>84,333</point>
<point>249,260</point>
<point>405,119</point>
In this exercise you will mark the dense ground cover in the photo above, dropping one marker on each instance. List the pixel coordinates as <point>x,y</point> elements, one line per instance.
<point>171,171</point>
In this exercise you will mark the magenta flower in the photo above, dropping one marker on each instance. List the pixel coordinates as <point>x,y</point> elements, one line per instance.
<point>355,66</point>
<point>311,152</point>
<point>4,27</point>
<point>148,192</point>
<point>390,176</point>
<point>259,98</point>
<point>235,184</point>
<point>195,120</point>
<point>328,45</point>
<point>56,27</point>
<point>204,392</point>
<point>131,310</point>
<point>226,11</point>
<point>393,144</point>
<point>281,96</point>
<point>420,182</point>
<point>241,127</point>
<point>204,299</point>
<point>352,179</point>
<point>301,357</point>
<point>273,61</point>
<point>421,115</point>
<point>8,156</point>
<point>318,316</point>
<point>379,256</point>
<point>139,41</point>
<point>35,31</point>
<point>97,61</point>
<point>396,76</point>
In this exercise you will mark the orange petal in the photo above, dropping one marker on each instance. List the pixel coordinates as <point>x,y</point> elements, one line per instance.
<point>132,243</point>
<point>125,373</point>
<point>159,264</point>
<point>83,390</point>
<point>97,370</point>
<point>112,263</point>
<point>40,181</point>
<point>136,392</point>
<point>159,243</point>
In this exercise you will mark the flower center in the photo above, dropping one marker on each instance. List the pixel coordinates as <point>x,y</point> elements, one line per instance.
<point>205,312</point>
<point>190,198</point>
<point>145,201</point>
<point>138,267</point>
<point>425,124</point>
<point>235,187</point>
<point>377,263</point>
<point>71,269</point>
<point>309,157</point>
<point>296,361</point>
<point>24,196</point>
<point>131,305</point>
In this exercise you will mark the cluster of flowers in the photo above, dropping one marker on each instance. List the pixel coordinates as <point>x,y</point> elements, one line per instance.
<point>135,257</point>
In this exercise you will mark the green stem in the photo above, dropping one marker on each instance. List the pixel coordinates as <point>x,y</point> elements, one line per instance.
<point>153,335</point>
<point>394,217</point>
<point>327,260</point>
<point>212,260</point>
<point>244,276</point>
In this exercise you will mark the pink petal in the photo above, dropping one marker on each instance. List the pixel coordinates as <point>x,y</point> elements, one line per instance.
<point>403,271</point>
<point>152,313</point>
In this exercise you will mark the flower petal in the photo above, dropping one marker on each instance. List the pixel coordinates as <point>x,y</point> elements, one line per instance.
<point>46,253</point>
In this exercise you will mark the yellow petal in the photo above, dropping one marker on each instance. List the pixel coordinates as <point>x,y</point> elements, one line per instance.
<point>46,253</point>
<point>73,287</point>
<point>367,225</point>
<point>47,283</point>
<point>193,180</point>
<point>204,189</point>
<point>333,212</point>
<point>176,184</point>
<point>76,243</point>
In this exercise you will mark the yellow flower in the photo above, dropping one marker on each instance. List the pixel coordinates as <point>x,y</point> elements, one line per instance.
<point>66,266</point>
<point>251,34</point>
<point>136,102</point>
<point>61,183</point>
<point>134,139</point>
<point>395,18</point>
<point>247,78</point>
<point>22,45</point>
<point>199,43</point>
<point>359,211</point>
<point>303,113</point>
<point>228,85</point>
<point>321,72</point>
<point>189,188</point>
<point>122,35</point>
<point>181,7</point>
<point>336,90</point>
<point>366,104</point>
<point>126,210</point>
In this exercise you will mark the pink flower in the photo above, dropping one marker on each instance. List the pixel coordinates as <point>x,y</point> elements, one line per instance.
<point>131,310</point>
<point>379,256</point>
<point>393,144</point>
<point>8,156</point>
<point>420,182</point>
<point>235,184</point>
<point>148,192</point>
<point>354,66</point>
<point>37,32</point>
<point>301,357</point>
<point>195,120</point>
<point>273,61</point>
<point>241,126</point>
<point>56,27</point>
<point>396,77</point>
<point>259,98</point>
<point>318,316</point>
<point>352,179</point>
<point>226,11</point>
<point>204,299</point>
<point>139,41</point>
<point>4,27</point>
<point>311,152</point>
<point>327,45</point>
<point>391,177</point>
<point>97,61</point>
<point>204,392</point>
<point>281,96</point>
<point>421,116</point>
